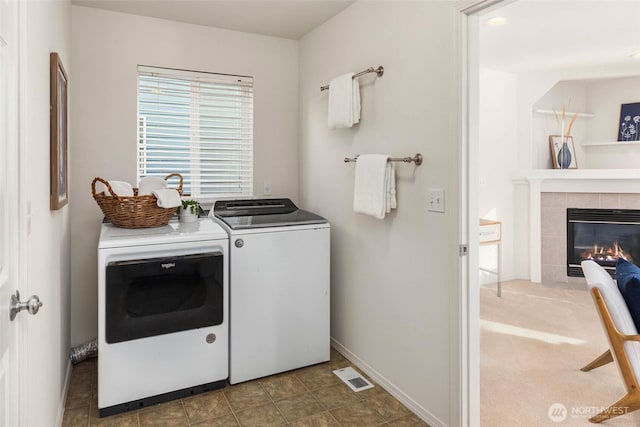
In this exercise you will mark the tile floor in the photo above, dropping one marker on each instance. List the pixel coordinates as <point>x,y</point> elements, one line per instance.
<point>311,396</point>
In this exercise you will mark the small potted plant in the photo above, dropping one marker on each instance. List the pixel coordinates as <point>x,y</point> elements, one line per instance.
<point>189,211</point>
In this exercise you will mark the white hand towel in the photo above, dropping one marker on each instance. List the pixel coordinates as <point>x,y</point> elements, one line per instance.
<point>391,201</point>
<point>168,198</point>
<point>344,102</point>
<point>120,188</point>
<point>371,185</point>
<point>149,184</point>
<point>355,103</point>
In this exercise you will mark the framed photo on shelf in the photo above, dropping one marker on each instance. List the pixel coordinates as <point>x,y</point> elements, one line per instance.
<point>563,155</point>
<point>58,132</point>
<point>629,122</point>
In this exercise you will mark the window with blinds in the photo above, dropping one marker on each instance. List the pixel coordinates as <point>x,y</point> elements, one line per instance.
<point>199,125</point>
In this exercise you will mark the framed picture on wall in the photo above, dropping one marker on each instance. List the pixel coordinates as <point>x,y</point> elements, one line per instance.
<point>629,122</point>
<point>58,107</point>
<point>563,153</point>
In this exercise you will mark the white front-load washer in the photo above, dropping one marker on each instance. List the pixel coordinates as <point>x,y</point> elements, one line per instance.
<point>163,318</point>
<point>279,286</point>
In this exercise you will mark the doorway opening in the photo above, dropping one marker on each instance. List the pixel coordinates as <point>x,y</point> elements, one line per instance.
<point>544,326</point>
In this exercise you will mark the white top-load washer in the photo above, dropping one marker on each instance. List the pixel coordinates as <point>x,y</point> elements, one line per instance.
<point>279,286</point>
<point>163,313</point>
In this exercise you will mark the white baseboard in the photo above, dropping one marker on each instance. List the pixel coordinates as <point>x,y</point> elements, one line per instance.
<point>63,395</point>
<point>393,390</point>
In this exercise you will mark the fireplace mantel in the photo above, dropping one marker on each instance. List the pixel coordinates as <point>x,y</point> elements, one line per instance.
<point>567,181</point>
<point>582,180</point>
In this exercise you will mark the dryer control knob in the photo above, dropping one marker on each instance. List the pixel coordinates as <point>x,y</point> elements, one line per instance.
<point>239,243</point>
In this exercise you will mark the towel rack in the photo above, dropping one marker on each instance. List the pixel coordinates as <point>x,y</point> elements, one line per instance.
<point>417,159</point>
<point>379,71</point>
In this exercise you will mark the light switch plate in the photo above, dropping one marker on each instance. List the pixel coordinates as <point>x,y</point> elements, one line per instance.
<point>435,199</point>
<point>266,191</point>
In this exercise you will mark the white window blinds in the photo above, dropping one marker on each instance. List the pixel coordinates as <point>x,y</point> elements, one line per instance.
<point>199,125</point>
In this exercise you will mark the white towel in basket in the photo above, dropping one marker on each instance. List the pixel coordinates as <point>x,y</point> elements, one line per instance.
<point>149,184</point>
<point>120,188</point>
<point>168,198</point>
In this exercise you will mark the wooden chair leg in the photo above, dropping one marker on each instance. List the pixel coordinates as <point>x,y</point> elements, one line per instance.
<point>627,404</point>
<point>601,360</point>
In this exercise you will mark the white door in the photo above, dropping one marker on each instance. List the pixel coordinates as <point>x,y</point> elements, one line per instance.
<point>8,203</point>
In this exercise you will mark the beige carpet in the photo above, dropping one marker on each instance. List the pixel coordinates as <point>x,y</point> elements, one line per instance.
<point>534,340</point>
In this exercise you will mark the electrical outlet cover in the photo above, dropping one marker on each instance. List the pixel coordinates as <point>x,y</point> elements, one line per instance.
<point>267,188</point>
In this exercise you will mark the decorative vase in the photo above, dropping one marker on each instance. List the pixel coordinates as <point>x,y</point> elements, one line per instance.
<point>564,156</point>
<point>186,215</point>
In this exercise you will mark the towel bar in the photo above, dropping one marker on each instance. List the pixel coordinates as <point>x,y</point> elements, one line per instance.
<point>379,71</point>
<point>417,159</point>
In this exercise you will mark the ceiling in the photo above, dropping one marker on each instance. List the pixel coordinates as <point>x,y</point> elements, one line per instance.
<point>280,18</point>
<point>541,34</point>
<point>538,34</point>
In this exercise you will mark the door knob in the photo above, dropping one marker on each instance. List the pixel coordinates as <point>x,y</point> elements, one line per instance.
<point>32,305</point>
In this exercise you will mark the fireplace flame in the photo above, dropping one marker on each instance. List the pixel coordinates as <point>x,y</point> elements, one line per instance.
<point>603,253</point>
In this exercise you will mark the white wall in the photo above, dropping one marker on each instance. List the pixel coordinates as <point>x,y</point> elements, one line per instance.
<point>107,47</point>
<point>47,29</point>
<point>392,280</point>
<point>498,157</point>
<point>604,97</point>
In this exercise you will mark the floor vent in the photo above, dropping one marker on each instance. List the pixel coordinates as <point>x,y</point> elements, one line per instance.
<point>353,379</point>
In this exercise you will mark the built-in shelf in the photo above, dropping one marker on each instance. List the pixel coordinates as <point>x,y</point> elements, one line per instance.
<point>609,143</point>
<point>567,113</point>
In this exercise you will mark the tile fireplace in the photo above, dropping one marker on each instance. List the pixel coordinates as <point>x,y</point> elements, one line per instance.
<point>545,194</point>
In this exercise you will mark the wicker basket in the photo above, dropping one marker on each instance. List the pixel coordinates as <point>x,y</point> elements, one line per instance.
<point>133,211</point>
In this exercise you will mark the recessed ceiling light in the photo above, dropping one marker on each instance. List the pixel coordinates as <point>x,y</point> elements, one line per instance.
<point>497,21</point>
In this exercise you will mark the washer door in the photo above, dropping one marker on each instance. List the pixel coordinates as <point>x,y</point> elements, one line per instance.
<point>158,296</point>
